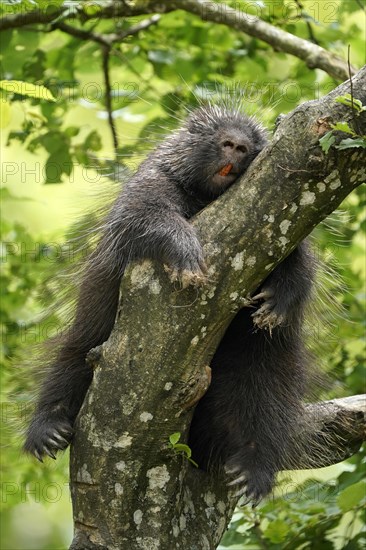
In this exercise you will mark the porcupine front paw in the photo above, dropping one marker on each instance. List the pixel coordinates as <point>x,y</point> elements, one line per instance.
<point>48,434</point>
<point>189,267</point>
<point>271,313</point>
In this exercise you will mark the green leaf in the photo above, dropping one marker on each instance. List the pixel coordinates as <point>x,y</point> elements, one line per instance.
<point>352,496</point>
<point>174,438</point>
<point>349,143</point>
<point>276,531</point>
<point>58,163</point>
<point>183,448</point>
<point>343,127</point>
<point>346,99</point>
<point>72,131</point>
<point>327,141</point>
<point>27,89</point>
<point>93,141</point>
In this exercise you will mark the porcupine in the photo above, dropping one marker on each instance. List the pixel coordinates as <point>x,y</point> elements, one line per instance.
<point>248,415</point>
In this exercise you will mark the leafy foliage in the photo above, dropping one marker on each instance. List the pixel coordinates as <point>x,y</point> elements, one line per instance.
<point>59,120</point>
<point>329,139</point>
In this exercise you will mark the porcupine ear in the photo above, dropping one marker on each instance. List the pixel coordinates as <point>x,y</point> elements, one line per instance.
<point>201,120</point>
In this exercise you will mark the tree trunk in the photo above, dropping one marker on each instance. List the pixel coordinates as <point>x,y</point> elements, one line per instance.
<point>130,489</point>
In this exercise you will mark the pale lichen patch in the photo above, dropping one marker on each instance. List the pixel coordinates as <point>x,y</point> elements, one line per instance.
<point>283,241</point>
<point>321,186</point>
<point>251,261</point>
<point>237,263</point>
<point>124,441</point>
<point>155,509</point>
<point>221,507</point>
<point>182,522</point>
<point>158,477</point>
<point>175,528</point>
<point>83,475</point>
<point>211,292</point>
<point>307,197</point>
<point>88,421</point>
<point>293,208</point>
<point>194,341</point>
<point>333,179</point>
<point>137,517</point>
<point>121,466</point>
<point>146,416</point>
<point>155,287</point>
<point>234,296</point>
<point>335,184</point>
<point>168,386</point>
<point>142,274</point>
<point>128,404</point>
<point>284,226</point>
<point>209,498</point>
<point>118,489</point>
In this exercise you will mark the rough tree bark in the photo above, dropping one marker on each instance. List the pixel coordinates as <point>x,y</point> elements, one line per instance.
<point>129,489</point>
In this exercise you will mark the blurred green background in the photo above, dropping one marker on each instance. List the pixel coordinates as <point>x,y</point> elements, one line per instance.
<point>58,158</point>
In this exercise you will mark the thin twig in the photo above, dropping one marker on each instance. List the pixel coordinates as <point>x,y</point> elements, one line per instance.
<point>106,39</point>
<point>134,29</point>
<point>350,73</point>
<point>108,96</point>
<point>308,24</point>
<point>82,34</point>
<point>354,117</point>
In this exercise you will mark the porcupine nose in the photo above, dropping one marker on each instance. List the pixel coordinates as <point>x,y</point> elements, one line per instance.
<point>234,148</point>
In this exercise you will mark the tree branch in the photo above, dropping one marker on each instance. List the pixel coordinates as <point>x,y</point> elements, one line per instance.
<point>313,55</point>
<point>332,431</point>
<point>129,488</point>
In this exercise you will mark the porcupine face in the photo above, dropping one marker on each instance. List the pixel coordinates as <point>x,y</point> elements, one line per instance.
<point>223,143</point>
